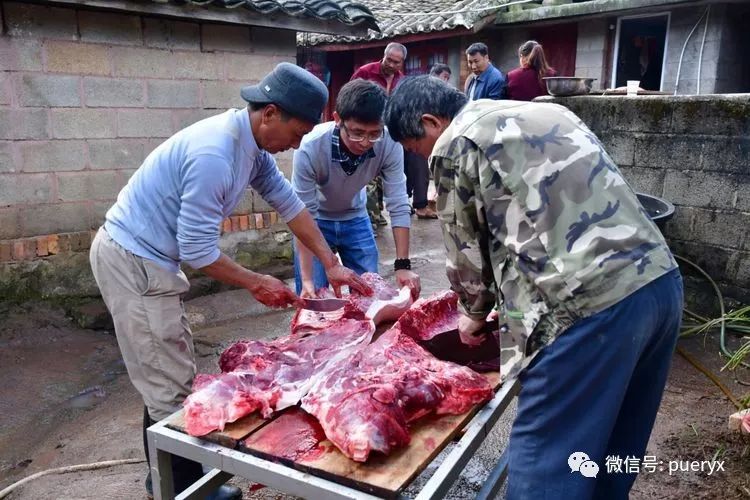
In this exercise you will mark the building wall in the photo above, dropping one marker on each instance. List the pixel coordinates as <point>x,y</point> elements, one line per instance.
<point>86,95</point>
<point>694,152</point>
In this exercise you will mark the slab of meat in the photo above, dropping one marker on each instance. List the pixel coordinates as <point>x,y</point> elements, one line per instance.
<point>432,322</point>
<point>386,304</point>
<point>268,376</point>
<point>366,402</point>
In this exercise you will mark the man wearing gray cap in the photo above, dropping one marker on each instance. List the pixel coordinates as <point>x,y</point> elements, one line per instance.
<point>170,212</point>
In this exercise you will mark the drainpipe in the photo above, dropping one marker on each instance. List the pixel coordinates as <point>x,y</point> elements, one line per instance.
<point>679,65</point>
<point>703,44</point>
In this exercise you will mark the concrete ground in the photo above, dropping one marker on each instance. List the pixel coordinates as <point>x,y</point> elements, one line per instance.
<point>65,400</point>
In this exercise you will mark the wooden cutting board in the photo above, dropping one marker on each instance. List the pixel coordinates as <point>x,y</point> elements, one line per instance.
<point>296,439</point>
<point>232,433</point>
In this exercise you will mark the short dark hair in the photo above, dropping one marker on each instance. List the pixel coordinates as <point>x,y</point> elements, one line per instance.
<point>440,68</point>
<point>416,96</point>
<point>258,106</point>
<point>477,47</point>
<point>361,100</point>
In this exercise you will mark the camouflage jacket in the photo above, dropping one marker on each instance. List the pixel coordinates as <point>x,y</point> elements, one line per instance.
<point>538,219</point>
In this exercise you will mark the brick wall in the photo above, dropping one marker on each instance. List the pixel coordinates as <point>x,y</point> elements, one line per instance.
<point>85,96</point>
<point>695,153</point>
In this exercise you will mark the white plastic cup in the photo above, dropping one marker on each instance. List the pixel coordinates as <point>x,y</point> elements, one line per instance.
<point>633,86</point>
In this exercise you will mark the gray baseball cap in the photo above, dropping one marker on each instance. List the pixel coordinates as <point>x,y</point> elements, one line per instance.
<point>293,89</point>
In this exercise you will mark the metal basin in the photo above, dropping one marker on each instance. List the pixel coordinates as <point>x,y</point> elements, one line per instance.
<point>568,85</point>
<point>659,210</point>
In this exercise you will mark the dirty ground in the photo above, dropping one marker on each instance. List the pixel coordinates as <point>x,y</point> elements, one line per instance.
<point>65,400</point>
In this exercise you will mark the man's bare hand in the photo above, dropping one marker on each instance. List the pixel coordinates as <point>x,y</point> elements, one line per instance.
<point>272,292</point>
<point>467,329</point>
<point>339,276</point>
<point>405,277</point>
<point>308,290</point>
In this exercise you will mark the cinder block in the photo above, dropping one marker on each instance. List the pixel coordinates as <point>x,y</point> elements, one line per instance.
<point>198,66</point>
<point>97,211</point>
<point>77,58</point>
<point>143,63</point>
<point>729,115</point>
<point>82,123</point>
<point>54,219</point>
<point>53,156</point>
<point>20,54</point>
<point>171,35</point>
<point>220,37</point>
<point>44,90</point>
<point>84,186</point>
<point>6,89</point>
<point>220,95</point>
<point>144,123</point>
<point>7,161</point>
<point>25,188</point>
<point>172,94</point>
<point>10,226</point>
<point>668,151</point>
<point>109,28</point>
<point>23,124</point>
<point>645,114</point>
<point>620,146</point>
<point>700,189</point>
<point>249,68</point>
<point>116,154</point>
<point>40,21</point>
<point>727,229</point>
<point>272,41</point>
<point>185,117</point>
<point>113,92</point>
<point>645,180</point>
<point>738,267</point>
<point>725,154</point>
<point>245,206</point>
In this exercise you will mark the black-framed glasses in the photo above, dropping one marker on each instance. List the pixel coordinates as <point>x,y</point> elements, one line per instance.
<point>372,138</point>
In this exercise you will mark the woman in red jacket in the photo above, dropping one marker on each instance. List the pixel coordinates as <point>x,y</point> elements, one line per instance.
<point>525,83</point>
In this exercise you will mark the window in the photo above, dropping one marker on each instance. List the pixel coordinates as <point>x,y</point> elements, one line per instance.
<point>421,59</point>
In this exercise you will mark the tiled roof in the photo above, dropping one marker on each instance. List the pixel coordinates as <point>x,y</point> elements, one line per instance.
<point>346,12</point>
<point>402,17</point>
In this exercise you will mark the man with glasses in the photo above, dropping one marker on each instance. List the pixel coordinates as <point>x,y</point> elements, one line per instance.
<point>332,166</point>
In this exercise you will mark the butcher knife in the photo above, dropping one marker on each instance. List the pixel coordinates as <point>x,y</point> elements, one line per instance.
<point>323,305</point>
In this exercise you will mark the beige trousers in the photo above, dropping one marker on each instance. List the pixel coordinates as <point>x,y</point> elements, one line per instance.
<point>150,323</point>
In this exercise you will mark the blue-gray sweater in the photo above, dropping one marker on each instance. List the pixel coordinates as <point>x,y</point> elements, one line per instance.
<point>330,194</point>
<point>172,207</point>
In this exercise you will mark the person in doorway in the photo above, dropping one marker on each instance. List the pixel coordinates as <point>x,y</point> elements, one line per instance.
<point>387,73</point>
<point>539,221</point>
<point>332,166</point>
<point>526,82</point>
<point>170,212</point>
<point>486,81</point>
<point>442,71</point>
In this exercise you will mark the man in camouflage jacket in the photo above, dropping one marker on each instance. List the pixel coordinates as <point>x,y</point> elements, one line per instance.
<point>538,220</point>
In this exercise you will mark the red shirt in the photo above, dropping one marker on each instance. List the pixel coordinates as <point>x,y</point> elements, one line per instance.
<point>524,85</point>
<point>372,72</point>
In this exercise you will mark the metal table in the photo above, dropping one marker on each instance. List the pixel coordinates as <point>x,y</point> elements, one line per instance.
<point>164,442</point>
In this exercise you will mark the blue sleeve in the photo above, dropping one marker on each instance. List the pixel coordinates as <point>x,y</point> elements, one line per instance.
<point>304,180</point>
<point>496,87</point>
<point>273,187</point>
<point>394,185</point>
<point>205,180</point>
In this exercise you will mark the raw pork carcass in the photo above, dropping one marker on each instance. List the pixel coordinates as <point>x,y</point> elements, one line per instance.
<point>366,402</point>
<point>433,321</point>
<point>268,376</point>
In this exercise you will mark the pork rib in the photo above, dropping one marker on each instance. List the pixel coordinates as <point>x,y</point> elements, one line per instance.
<point>365,403</point>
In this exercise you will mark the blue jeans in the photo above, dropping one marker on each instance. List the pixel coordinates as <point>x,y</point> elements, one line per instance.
<point>596,389</point>
<point>352,240</point>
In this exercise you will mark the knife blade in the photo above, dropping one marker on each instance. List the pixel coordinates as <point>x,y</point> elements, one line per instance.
<point>323,305</point>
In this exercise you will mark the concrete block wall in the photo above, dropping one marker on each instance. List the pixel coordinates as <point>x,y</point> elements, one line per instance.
<point>693,151</point>
<point>591,50</point>
<point>86,95</point>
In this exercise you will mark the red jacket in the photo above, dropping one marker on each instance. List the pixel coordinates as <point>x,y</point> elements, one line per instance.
<point>372,72</point>
<point>524,85</point>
